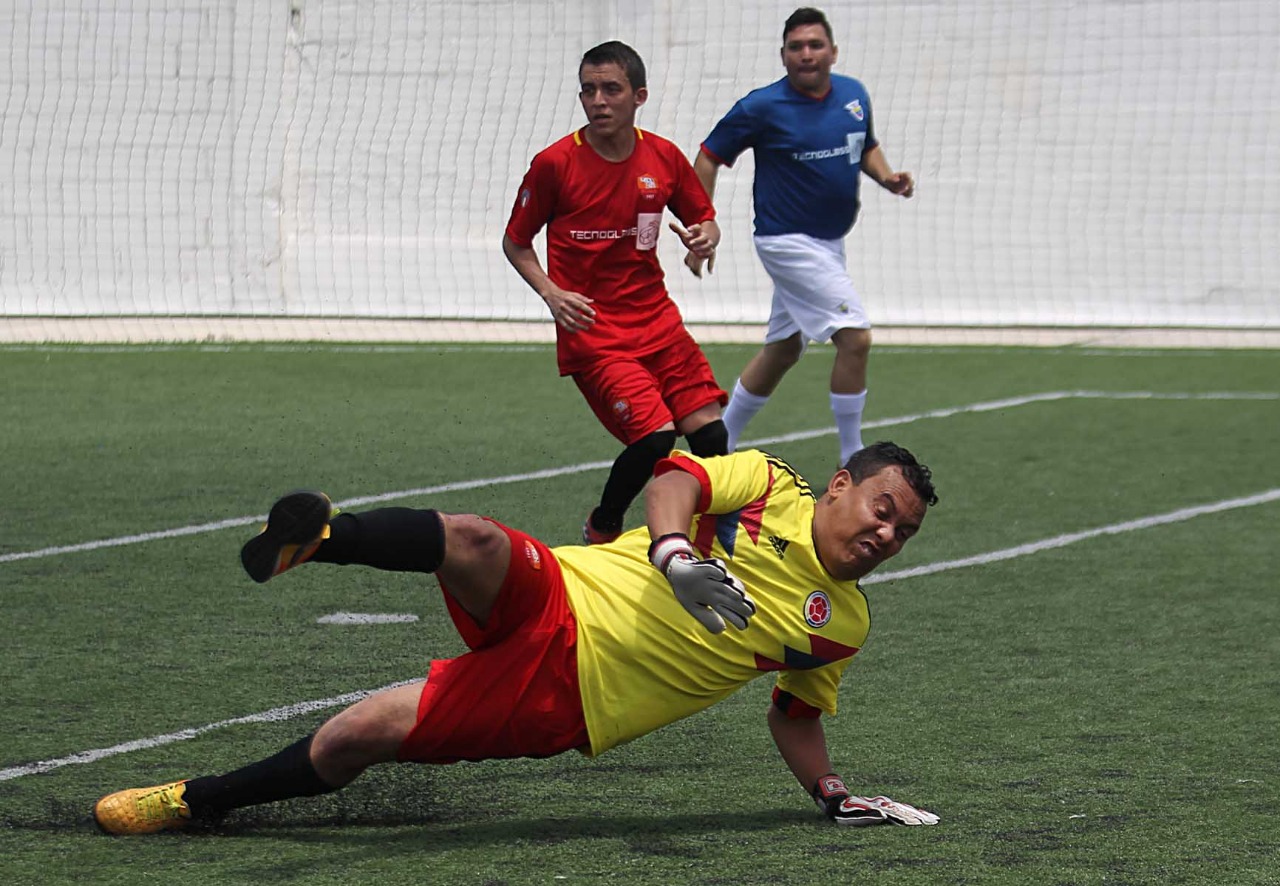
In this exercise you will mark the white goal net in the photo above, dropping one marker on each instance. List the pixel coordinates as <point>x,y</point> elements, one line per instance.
<point>1090,163</point>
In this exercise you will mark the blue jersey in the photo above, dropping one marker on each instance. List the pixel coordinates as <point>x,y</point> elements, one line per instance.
<point>808,154</point>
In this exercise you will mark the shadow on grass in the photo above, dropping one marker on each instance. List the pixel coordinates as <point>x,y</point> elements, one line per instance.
<point>489,809</point>
<point>444,834</point>
<point>289,839</point>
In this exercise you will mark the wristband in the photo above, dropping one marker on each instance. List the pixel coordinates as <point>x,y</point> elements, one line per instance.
<point>666,547</point>
<point>828,787</point>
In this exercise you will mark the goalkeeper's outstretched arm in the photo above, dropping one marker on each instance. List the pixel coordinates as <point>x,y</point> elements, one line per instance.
<point>803,745</point>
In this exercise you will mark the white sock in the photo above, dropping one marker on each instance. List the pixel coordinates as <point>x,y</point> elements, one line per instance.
<point>743,405</point>
<point>847,408</point>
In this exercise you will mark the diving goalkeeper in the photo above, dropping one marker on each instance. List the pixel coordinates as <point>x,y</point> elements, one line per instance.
<point>741,570</point>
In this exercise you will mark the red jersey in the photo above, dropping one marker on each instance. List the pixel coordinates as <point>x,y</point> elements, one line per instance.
<point>603,220</point>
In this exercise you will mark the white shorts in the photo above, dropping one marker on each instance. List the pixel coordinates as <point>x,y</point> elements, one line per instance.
<point>812,291</point>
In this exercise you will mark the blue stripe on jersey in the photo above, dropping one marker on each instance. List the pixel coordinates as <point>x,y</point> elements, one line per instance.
<point>727,530</point>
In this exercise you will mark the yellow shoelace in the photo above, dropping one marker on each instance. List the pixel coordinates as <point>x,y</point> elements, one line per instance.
<point>160,805</point>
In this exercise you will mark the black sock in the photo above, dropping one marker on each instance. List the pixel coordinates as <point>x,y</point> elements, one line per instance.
<point>287,774</point>
<point>395,539</point>
<point>631,470</point>
<point>708,440</point>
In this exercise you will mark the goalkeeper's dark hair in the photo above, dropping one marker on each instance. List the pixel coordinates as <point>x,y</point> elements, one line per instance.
<point>872,459</point>
<point>615,52</point>
<point>807,15</point>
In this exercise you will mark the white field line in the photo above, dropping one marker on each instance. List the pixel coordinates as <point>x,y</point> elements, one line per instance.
<point>367,618</point>
<point>275,715</point>
<point>486,482</point>
<point>1061,541</point>
<point>290,711</point>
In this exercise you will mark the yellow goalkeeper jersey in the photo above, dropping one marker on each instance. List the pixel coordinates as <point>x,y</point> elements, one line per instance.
<point>644,662</point>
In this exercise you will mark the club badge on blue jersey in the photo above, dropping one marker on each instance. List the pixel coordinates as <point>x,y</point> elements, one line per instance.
<point>855,108</point>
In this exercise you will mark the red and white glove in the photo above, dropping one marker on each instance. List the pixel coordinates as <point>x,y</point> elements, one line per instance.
<point>705,588</point>
<point>834,799</point>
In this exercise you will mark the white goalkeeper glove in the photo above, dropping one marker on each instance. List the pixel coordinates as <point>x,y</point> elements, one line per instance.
<point>705,588</point>
<point>834,800</point>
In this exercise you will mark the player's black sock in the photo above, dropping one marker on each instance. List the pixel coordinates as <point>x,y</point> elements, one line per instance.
<point>631,470</point>
<point>395,539</point>
<point>710,439</point>
<point>279,777</point>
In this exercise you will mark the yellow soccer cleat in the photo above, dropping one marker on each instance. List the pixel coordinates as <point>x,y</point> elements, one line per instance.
<point>143,810</point>
<point>295,527</point>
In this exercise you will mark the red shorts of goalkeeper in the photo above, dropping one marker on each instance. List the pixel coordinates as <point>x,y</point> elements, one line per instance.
<point>515,694</point>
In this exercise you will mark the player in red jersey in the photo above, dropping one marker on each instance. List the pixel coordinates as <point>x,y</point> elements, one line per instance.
<point>600,192</point>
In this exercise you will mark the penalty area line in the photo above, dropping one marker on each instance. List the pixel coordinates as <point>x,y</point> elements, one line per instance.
<point>288,712</point>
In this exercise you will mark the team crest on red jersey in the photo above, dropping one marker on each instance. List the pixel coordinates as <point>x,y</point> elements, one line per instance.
<point>622,409</point>
<point>817,609</point>
<point>648,185</point>
<point>532,555</point>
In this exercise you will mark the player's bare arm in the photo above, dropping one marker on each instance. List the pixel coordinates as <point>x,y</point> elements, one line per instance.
<point>877,168</point>
<point>803,744</point>
<point>669,503</point>
<point>706,169</point>
<point>571,310</point>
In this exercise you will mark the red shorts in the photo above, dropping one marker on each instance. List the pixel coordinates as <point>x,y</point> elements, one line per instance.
<point>516,693</point>
<point>634,396</point>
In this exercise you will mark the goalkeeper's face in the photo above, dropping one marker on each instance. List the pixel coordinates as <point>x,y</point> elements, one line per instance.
<point>857,526</point>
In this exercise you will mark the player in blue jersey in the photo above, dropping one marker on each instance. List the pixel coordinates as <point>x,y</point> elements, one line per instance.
<point>813,138</point>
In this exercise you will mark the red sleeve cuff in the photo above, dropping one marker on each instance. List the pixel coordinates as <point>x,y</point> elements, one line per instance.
<point>695,470</point>
<point>793,707</point>
<point>712,155</point>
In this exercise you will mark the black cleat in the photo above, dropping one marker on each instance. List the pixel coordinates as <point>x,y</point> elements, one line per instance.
<point>294,529</point>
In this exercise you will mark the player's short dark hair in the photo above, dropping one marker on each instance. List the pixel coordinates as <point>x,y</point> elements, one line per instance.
<point>616,52</point>
<point>807,15</point>
<point>872,459</point>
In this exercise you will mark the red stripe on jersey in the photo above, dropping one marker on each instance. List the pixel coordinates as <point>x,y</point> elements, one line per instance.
<point>705,535</point>
<point>830,649</point>
<point>768,664</point>
<point>751,516</point>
